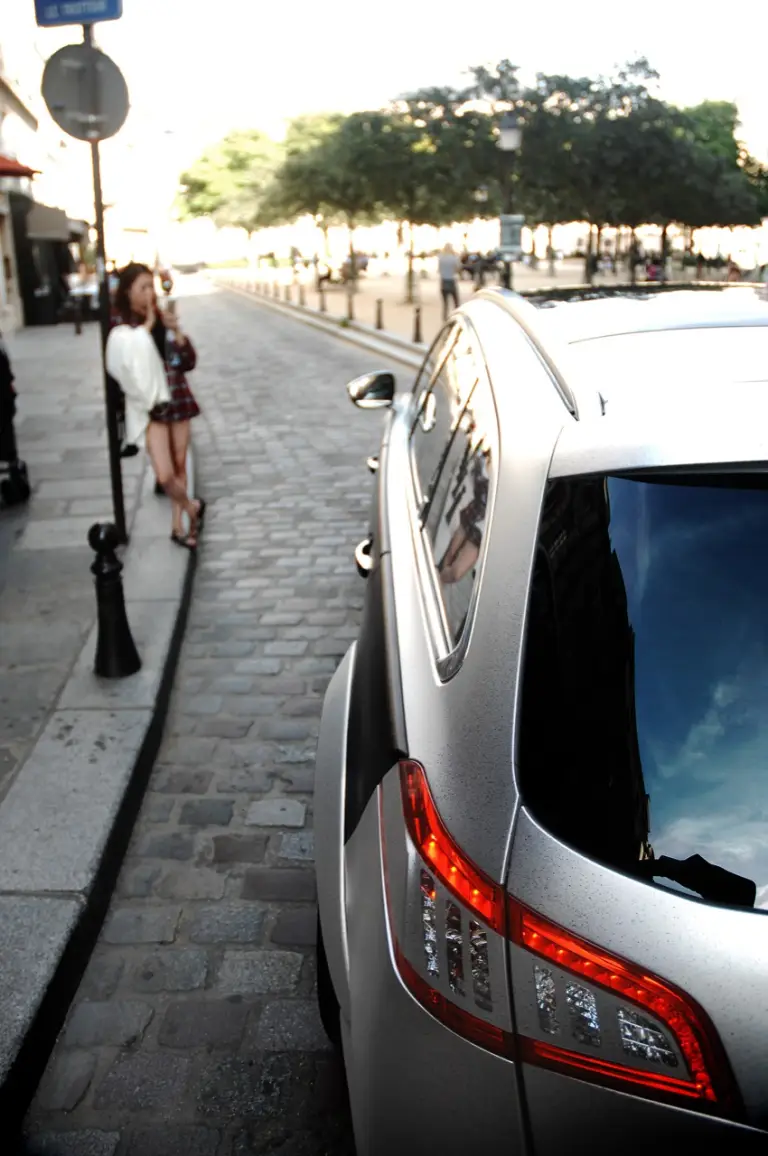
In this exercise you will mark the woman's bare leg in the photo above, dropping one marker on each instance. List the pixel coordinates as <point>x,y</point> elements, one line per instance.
<point>179,433</point>
<point>161,455</point>
<point>462,562</point>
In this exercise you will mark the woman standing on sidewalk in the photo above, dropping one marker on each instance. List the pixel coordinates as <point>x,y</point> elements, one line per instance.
<point>149,357</point>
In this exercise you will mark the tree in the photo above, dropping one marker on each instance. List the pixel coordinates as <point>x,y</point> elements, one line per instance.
<point>333,167</point>
<point>229,181</point>
<point>462,140</point>
<point>713,125</point>
<point>298,186</point>
<point>557,114</point>
<point>428,172</point>
<point>756,176</point>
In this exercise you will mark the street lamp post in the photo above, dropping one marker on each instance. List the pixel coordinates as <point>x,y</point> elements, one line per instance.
<point>509,141</point>
<point>481,198</point>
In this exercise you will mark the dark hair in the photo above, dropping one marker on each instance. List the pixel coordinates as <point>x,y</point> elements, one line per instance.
<point>126,278</point>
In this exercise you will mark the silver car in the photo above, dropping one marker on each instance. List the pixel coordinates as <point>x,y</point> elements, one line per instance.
<point>542,777</point>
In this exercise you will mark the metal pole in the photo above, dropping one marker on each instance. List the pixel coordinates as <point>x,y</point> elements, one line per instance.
<point>508,278</point>
<point>110,399</point>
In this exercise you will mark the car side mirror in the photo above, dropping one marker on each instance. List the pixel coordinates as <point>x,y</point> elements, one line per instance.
<point>372,390</point>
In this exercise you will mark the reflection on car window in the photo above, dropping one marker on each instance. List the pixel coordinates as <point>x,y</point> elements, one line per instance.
<point>643,729</point>
<point>433,359</point>
<point>458,508</point>
<point>440,404</point>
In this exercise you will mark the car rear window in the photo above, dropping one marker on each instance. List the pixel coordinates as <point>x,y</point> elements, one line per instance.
<point>643,737</point>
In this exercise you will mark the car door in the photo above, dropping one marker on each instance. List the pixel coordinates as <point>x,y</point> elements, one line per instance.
<point>376,732</point>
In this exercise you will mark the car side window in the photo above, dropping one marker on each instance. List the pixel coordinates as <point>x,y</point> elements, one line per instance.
<point>434,358</point>
<point>457,515</point>
<point>440,403</point>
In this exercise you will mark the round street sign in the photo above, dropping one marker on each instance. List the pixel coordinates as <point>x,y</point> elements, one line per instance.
<point>85,92</point>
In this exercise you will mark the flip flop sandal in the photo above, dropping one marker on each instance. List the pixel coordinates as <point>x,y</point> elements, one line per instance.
<point>187,541</point>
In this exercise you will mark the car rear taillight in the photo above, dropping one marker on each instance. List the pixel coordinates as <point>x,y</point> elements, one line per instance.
<point>578,1009</point>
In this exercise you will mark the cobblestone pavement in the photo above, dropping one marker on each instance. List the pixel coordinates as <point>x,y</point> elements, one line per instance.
<point>195,1029</point>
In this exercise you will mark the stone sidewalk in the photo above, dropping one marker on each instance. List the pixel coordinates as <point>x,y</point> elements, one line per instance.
<point>47,603</point>
<point>73,747</point>
<point>195,1030</point>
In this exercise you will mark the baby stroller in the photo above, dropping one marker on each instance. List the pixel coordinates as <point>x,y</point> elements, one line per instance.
<point>14,480</point>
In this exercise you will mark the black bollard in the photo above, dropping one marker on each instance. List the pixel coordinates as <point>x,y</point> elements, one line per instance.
<point>116,654</point>
<point>288,293</point>
<point>351,301</point>
<point>417,325</point>
<point>302,294</point>
<point>321,291</point>
<point>78,315</point>
<point>379,313</point>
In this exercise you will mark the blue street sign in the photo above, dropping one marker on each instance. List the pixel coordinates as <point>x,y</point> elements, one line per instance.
<point>52,13</point>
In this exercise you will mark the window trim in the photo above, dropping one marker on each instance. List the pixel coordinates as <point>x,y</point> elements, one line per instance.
<point>420,496</point>
<point>447,654</point>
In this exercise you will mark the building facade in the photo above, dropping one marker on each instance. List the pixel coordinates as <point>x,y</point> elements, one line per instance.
<point>45,201</point>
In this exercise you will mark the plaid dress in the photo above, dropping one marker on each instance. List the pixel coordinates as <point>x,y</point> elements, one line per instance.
<point>178,362</point>
<point>182,406</point>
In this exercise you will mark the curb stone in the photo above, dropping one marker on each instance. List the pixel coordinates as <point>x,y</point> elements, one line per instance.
<point>67,819</point>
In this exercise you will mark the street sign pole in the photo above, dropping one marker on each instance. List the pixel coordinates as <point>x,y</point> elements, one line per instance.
<point>87,97</point>
<point>110,393</point>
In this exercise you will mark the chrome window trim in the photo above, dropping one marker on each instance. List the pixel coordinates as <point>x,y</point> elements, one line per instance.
<point>456,325</point>
<point>447,654</point>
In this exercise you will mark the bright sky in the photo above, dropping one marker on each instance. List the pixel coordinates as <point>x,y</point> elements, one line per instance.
<point>206,67</point>
<point>201,69</point>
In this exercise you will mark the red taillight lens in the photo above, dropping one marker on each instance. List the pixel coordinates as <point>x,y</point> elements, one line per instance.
<point>484,897</point>
<point>657,1023</point>
<point>687,1023</point>
<point>599,1071</point>
<point>471,1027</point>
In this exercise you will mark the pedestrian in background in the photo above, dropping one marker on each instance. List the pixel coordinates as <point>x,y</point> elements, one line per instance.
<point>149,357</point>
<point>448,266</point>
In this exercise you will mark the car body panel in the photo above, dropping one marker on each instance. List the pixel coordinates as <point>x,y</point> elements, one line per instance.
<point>715,954</point>
<point>643,312</point>
<point>580,1119</point>
<point>685,433</point>
<point>406,690</point>
<point>445,721</point>
<point>329,808</point>
<point>415,1086</point>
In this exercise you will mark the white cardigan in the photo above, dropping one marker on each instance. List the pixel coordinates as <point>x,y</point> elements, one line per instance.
<point>137,367</point>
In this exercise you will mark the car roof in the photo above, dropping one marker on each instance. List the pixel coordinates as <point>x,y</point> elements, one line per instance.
<point>678,377</point>
<point>588,315</point>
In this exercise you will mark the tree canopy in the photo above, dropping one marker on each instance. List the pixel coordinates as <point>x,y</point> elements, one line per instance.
<point>228,182</point>
<point>605,150</point>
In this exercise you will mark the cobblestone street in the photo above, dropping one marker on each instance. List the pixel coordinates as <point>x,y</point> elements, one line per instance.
<point>195,1030</point>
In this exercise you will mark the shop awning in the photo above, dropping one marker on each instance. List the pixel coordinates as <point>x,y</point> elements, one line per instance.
<point>47,224</point>
<point>13,168</point>
<point>78,230</point>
